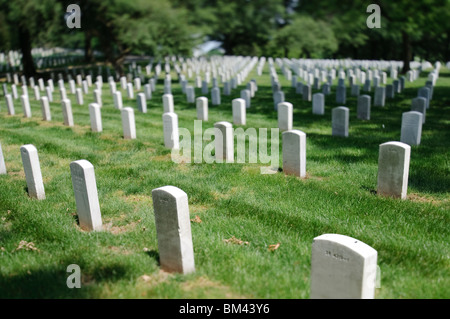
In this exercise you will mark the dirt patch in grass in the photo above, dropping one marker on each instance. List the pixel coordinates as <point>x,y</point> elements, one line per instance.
<point>77,129</point>
<point>234,190</point>
<point>115,230</point>
<point>155,279</point>
<point>207,287</point>
<point>162,158</point>
<point>137,200</point>
<point>119,250</point>
<point>414,197</point>
<point>198,209</point>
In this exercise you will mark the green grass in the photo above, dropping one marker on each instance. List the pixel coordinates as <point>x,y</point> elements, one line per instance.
<point>338,196</point>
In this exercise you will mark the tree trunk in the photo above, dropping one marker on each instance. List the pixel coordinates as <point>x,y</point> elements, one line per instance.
<point>88,53</point>
<point>407,52</point>
<point>29,69</point>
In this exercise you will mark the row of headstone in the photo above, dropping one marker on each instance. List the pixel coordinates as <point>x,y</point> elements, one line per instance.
<point>341,266</point>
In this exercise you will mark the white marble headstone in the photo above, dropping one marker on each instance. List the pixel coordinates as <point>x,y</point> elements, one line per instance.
<point>294,153</point>
<point>393,169</point>
<point>128,123</point>
<point>342,267</point>
<point>224,142</point>
<point>239,111</point>
<point>170,128</point>
<point>202,108</point>
<point>32,168</point>
<point>96,117</point>
<point>173,229</point>
<point>340,121</point>
<point>86,195</point>
<point>45,108</point>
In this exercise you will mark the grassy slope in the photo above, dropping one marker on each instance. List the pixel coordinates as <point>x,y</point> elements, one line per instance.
<point>411,236</point>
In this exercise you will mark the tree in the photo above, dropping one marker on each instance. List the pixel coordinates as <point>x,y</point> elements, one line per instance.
<point>27,22</point>
<point>124,27</point>
<point>306,37</point>
<point>244,27</point>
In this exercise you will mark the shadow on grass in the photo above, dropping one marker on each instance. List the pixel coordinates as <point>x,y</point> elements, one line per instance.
<point>155,255</point>
<point>51,283</point>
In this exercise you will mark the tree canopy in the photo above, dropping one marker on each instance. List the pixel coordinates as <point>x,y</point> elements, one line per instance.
<point>291,28</point>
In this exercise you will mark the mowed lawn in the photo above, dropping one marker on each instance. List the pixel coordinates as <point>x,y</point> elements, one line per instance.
<point>237,213</point>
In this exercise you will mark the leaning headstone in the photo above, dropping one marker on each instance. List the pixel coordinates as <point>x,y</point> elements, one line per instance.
<point>363,107</point>
<point>285,116</point>
<point>25,106</point>
<point>224,142</point>
<point>239,111</point>
<point>393,169</point>
<point>67,112</point>
<point>419,104</point>
<point>45,108</point>
<point>294,153</point>
<point>32,168</point>
<point>10,104</point>
<point>342,267</point>
<point>380,96</point>
<point>339,121</point>
<point>168,103</point>
<point>141,103</point>
<point>170,129</point>
<point>96,117</point>
<point>411,131</point>
<point>173,229</point>
<point>318,104</point>
<point>128,123</point>
<point>86,195</point>
<point>2,162</point>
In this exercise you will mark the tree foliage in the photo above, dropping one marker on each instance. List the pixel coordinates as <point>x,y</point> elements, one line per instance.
<point>293,28</point>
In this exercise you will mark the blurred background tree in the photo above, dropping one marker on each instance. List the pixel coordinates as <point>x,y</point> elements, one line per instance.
<point>292,28</point>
